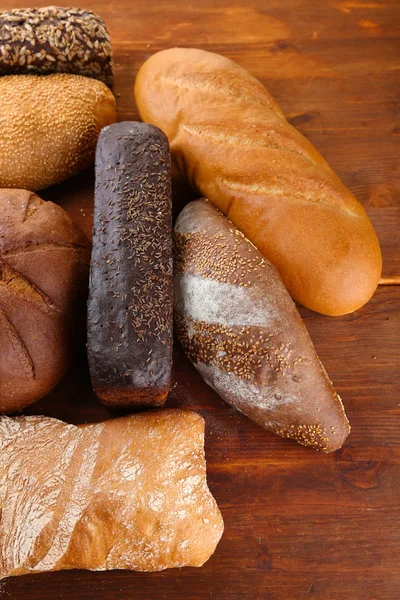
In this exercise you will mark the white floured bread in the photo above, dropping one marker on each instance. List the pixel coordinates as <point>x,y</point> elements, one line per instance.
<point>129,493</point>
<point>239,326</point>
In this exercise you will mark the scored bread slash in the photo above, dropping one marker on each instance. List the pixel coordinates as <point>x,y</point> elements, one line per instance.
<point>232,143</point>
<point>130,295</point>
<point>44,268</point>
<point>40,41</point>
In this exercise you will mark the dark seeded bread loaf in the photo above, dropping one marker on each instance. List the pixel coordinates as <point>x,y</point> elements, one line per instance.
<point>44,264</point>
<point>240,328</point>
<point>52,39</point>
<point>130,298</point>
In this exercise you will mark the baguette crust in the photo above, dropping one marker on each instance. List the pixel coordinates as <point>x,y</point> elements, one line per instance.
<point>239,326</point>
<point>129,493</point>
<point>231,140</point>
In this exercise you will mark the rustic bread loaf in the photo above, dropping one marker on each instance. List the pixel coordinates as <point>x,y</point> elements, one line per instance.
<point>240,328</point>
<point>44,264</point>
<point>230,139</point>
<point>130,493</point>
<point>49,127</point>
<point>130,323</point>
<point>53,39</point>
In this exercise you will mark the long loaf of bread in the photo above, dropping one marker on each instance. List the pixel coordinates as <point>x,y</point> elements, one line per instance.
<point>231,140</point>
<point>242,331</point>
<point>129,493</point>
<point>130,323</point>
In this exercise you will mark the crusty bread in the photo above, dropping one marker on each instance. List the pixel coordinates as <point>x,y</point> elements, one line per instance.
<point>130,323</point>
<point>49,127</point>
<point>230,139</point>
<point>44,265</point>
<point>54,39</point>
<point>129,493</point>
<point>242,331</point>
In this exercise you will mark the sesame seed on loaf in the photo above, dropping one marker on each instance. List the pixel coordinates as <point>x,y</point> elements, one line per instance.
<point>49,127</point>
<point>230,140</point>
<point>240,328</point>
<point>40,41</point>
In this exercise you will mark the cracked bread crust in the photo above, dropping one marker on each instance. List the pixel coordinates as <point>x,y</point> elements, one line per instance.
<point>44,261</point>
<point>93,497</point>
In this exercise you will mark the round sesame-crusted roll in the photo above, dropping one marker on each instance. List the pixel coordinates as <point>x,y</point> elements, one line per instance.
<point>40,41</point>
<point>240,328</point>
<point>49,127</point>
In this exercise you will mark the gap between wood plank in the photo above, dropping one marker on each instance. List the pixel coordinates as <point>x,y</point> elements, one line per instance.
<point>395,280</point>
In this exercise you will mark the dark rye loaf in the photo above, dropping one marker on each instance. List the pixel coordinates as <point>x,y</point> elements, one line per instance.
<point>130,297</point>
<point>239,326</point>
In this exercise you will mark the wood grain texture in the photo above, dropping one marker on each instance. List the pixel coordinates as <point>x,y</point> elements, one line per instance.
<point>298,524</point>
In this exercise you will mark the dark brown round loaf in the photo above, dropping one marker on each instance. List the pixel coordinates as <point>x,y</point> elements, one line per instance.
<point>44,261</point>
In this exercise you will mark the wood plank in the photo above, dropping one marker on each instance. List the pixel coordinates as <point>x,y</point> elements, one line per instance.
<point>298,524</point>
<point>294,518</point>
<point>76,196</point>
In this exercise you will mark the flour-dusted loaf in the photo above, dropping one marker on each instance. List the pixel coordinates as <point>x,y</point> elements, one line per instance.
<point>44,267</point>
<point>53,39</point>
<point>49,127</point>
<point>130,323</point>
<point>129,493</point>
<point>231,140</point>
<point>240,328</point>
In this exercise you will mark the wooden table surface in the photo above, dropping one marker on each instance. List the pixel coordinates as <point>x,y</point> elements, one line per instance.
<point>298,524</point>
